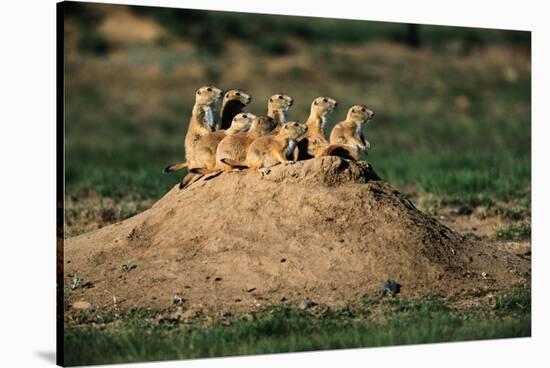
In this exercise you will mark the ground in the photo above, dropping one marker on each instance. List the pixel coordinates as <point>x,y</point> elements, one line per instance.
<point>452,131</point>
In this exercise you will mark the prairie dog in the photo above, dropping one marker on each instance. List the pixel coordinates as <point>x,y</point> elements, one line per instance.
<point>234,147</point>
<point>277,109</point>
<point>314,140</point>
<point>201,123</point>
<point>205,150</point>
<point>350,131</point>
<point>270,150</point>
<point>233,103</point>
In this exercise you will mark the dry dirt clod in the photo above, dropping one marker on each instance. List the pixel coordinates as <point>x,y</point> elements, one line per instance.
<point>81,305</point>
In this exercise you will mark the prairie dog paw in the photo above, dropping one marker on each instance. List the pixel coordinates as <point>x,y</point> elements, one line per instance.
<point>290,162</point>
<point>264,171</point>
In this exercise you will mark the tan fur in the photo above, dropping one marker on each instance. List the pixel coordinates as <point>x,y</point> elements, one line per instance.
<point>234,102</point>
<point>350,131</point>
<point>270,150</point>
<point>314,140</point>
<point>277,109</point>
<point>201,123</point>
<point>205,150</point>
<point>234,147</point>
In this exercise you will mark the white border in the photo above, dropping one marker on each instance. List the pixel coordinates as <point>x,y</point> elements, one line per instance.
<point>27,82</point>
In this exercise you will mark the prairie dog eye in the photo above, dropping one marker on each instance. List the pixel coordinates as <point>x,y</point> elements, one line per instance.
<point>280,97</point>
<point>244,116</point>
<point>209,89</point>
<point>325,100</point>
<point>237,94</point>
<point>363,109</point>
<point>315,103</point>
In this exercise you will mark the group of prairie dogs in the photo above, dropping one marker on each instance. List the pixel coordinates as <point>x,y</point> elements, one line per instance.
<point>242,140</point>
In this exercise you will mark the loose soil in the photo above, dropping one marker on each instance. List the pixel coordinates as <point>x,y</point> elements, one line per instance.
<point>326,229</point>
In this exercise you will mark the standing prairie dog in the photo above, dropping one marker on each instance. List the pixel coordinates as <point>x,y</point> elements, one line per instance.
<point>201,123</point>
<point>234,101</point>
<point>314,140</point>
<point>350,131</point>
<point>270,150</point>
<point>234,147</point>
<point>205,150</point>
<point>277,109</point>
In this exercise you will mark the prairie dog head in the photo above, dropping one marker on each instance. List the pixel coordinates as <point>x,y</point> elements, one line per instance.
<point>293,130</point>
<point>237,95</point>
<point>208,95</point>
<point>323,105</point>
<point>262,125</point>
<point>360,114</point>
<point>241,122</point>
<point>280,102</point>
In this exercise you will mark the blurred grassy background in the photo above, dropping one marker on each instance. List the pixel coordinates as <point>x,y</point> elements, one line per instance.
<point>452,104</point>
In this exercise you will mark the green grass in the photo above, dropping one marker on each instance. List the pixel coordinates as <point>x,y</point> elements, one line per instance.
<point>285,329</point>
<point>514,231</point>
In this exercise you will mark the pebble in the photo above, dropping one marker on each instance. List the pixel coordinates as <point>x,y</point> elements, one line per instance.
<point>391,287</point>
<point>307,303</point>
<point>224,313</point>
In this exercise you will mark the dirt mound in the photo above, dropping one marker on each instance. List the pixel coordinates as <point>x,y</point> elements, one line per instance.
<point>326,229</point>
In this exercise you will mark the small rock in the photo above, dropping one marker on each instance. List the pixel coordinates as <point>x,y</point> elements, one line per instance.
<point>224,313</point>
<point>283,260</point>
<point>462,210</point>
<point>250,290</point>
<point>218,279</point>
<point>81,305</point>
<point>176,299</point>
<point>283,299</point>
<point>484,275</point>
<point>307,303</point>
<point>391,287</point>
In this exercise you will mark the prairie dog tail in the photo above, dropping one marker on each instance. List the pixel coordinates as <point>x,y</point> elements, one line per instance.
<point>175,167</point>
<point>233,163</point>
